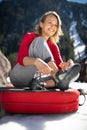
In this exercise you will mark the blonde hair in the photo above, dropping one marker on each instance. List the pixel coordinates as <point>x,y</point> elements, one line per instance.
<point>56,36</point>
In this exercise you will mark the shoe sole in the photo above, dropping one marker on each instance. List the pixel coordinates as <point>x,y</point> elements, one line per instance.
<point>72,75</point>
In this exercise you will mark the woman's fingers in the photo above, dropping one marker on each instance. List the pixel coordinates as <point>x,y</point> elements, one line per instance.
<point>66,65</point>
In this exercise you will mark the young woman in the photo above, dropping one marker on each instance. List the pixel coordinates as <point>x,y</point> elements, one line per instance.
<point>39,53</point>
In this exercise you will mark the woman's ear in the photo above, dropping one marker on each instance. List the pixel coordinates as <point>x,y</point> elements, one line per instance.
<point>41,24</point>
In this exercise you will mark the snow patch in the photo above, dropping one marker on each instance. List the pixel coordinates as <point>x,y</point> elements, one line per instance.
<point>79,46</point>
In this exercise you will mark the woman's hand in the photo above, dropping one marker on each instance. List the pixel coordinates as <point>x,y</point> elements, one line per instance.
<point>66,65</point>
<point>42,66</point>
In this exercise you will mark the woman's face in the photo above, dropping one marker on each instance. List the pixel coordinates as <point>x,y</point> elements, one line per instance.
<point>49,26</point>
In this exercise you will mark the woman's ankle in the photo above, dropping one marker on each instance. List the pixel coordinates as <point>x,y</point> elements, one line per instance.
<point>50,83</point>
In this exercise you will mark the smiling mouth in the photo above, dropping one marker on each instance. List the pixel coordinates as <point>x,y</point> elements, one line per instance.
<point>51,31</point>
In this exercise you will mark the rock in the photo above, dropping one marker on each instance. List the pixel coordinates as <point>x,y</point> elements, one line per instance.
<point>5,68</point>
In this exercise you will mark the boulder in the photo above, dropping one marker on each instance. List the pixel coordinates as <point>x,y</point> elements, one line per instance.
<point>5,68</point>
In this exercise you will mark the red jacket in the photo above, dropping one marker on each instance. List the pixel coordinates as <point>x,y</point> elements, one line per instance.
<point>24,48</point>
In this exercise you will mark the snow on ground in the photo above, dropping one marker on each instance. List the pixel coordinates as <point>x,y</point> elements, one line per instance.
<point>78,85</point>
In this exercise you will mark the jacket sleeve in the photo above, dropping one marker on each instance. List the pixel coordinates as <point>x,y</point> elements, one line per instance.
<point>57,55</point>
<point>24,47</point>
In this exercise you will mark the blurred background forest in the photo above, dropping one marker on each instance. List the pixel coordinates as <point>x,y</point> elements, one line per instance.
<point>20,16</point>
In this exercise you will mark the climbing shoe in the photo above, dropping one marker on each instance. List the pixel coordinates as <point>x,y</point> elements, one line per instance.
<point>36,84</point>
<point>67,76</point>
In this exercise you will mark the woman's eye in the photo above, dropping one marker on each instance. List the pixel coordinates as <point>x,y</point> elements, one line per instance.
<point>49,22</point>
<point>52,24</point>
